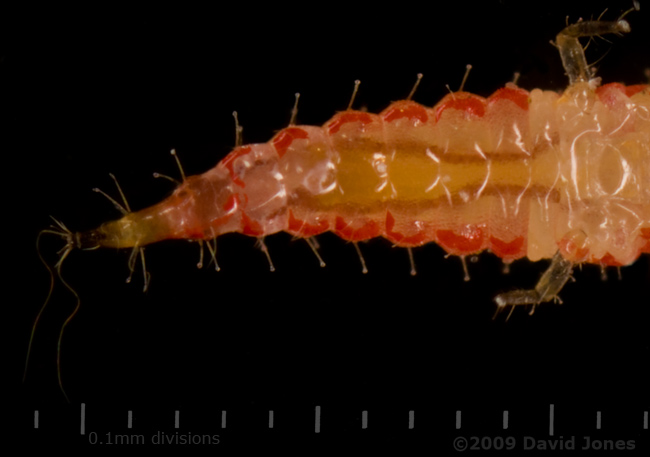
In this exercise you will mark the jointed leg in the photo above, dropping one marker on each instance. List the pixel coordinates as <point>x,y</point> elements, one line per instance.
<point>547,289</point>
<point>571,51</point>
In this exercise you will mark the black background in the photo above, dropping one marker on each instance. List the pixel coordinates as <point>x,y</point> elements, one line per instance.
<point>92,91</point>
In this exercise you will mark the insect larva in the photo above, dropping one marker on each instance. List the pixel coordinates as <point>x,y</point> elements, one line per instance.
<point>458,242</point>
<point>524,174</point>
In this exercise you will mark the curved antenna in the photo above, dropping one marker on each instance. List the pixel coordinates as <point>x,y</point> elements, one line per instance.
<point>47,300</point>
<point>62,231</point>
<point>65,323</point>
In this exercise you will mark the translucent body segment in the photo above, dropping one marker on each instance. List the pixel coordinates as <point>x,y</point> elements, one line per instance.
<point>459,124</point>
<point>261,189</point>
<point>541,236</point>
<point>200,208</point>
<point>604,163</point>
<point>507,117</point>
<point>308,165</point>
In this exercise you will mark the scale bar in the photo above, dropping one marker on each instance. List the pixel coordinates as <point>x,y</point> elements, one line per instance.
<point>83,419</point>
<point>551,419</point>
<point>364,419</point>
<point>317,425</point>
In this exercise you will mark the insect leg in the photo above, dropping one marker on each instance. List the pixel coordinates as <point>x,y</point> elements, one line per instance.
<point>572,52</point>
<point>549,285</point>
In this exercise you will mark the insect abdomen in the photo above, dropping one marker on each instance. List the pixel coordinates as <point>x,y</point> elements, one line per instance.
<point>452,174</point>
<point>469,173</point>
<point>519,173</point>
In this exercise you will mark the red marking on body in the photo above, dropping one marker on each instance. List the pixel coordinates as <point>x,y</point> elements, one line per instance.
<point>367,231</point>
<point>302,228</point>
<point>231,204</point>
<point>229,160</point>
<point>607,260</point>
<point>405,109</point>
<point>400,239</point>
<point>635,89</point>
<point>467,242</point>
<point>283,140</point>
<point>230,209</point>
<point>508,249</point>
<point>347,117</point>
<point>250,227</point>
<point>472,105</point>
<point>610,94</point>
<point>519,97</point>
<point>194,232</point>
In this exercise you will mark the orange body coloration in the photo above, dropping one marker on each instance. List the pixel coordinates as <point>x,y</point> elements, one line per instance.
<point>523,174</point>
